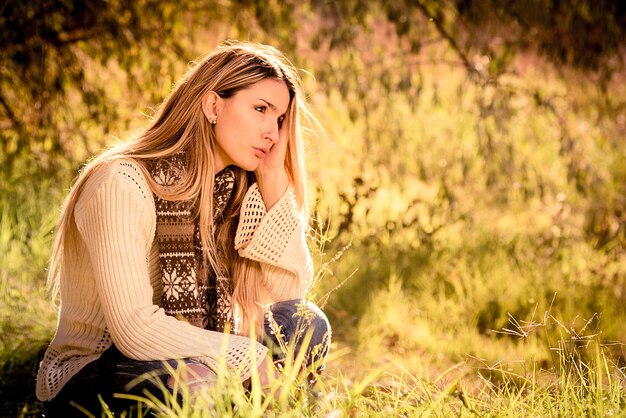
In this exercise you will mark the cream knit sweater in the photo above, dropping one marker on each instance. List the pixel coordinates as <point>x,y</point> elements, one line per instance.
<point>111,284</point>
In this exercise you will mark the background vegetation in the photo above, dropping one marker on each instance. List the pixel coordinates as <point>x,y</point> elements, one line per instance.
<point>469,185</point>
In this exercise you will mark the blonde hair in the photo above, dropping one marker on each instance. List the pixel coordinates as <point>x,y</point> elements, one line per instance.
<point>180,126</point>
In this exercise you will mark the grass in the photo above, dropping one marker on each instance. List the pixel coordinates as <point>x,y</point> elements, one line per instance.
<point>589,388</point>
<point>27,318</point>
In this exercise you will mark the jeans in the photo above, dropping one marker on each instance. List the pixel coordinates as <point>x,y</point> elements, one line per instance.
<point>113,372</point>
<point>292,323</point>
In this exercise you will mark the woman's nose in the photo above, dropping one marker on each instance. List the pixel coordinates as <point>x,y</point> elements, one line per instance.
<point>272,132</point>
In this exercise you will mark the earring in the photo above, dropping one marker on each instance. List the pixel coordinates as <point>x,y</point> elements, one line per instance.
<point>213,121</point>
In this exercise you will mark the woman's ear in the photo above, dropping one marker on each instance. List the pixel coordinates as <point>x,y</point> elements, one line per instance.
<point>211,106</point>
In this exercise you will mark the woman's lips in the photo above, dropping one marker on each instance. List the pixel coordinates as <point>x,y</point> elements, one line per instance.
<point>259,152</point>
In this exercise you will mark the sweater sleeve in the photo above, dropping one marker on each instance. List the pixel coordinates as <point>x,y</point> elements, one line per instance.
<point>276,239</point>
<point>116,221</point>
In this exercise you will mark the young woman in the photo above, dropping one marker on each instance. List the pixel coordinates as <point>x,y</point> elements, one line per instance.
<point>171,246</point>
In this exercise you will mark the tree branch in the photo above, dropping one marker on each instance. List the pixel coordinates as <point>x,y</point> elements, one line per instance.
<point>448,37</point>
<point>17,124</point>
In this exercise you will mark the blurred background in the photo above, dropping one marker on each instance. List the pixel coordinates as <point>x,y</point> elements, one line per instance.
<point>468,181</point>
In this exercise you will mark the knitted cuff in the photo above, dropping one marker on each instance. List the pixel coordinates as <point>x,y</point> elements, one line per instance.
<point>262,236</point>
<point>242,356</point>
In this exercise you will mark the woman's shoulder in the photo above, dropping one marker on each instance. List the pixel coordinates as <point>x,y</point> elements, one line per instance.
<point>124,172</point>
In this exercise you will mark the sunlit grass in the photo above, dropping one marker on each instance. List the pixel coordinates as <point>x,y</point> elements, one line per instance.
<point>29,209</point>
<point>583,388</point>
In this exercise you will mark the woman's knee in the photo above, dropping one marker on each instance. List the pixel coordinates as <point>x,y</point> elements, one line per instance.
<point>298,313</point>
<point>299,322</point>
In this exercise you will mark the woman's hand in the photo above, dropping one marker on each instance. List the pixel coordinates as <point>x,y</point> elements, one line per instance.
<point>264,373</point>
<point>194,376</point>
<point>271,174</point>
<point>267,375</point>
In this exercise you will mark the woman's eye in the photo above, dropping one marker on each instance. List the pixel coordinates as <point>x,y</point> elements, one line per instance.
<point>280,121</point>
<point>261,109</point>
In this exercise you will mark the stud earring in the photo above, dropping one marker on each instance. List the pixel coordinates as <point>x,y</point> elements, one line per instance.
<point>213,121</point>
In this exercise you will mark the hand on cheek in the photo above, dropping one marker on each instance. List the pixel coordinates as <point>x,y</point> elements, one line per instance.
<point>271,174</point>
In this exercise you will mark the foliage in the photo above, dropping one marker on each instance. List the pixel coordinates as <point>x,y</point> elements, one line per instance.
<point>584,34</point>
<point>51,100</point>
<point>28,213</point>
<point>50,48</point>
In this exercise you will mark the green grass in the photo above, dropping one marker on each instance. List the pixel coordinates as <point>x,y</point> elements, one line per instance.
<point>29,209</point>
<point>578,388</point>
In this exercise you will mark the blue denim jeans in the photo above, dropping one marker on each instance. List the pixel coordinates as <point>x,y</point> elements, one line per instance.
<point>292,323</point>
<point>113,372</point>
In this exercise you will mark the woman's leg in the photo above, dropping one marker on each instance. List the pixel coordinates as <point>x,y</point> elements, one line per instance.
<point>289,323</point>
<point>112,373</point>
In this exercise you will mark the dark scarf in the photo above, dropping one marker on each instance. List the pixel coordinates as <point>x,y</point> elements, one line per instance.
<point>191,288</point>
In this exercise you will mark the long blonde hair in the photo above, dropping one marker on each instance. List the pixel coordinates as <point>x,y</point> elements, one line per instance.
<point>180,126</point>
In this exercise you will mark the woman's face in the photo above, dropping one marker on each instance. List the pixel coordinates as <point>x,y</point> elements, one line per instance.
<point>248,123</point>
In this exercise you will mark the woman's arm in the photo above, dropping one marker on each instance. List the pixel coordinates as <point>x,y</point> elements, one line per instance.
<point>276,239</point>
<point>115,216</point>
<point>272,186</point>
<point>271,230</point>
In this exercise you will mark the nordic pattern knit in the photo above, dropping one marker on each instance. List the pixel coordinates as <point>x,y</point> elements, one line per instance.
<point>111,284</point>
<point>192,289</point>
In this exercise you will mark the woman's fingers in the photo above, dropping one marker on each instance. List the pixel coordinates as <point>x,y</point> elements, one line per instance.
<point>194,375</point>
<point>275,158</point>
